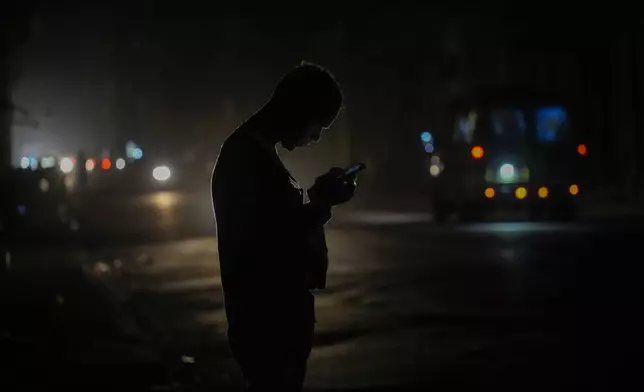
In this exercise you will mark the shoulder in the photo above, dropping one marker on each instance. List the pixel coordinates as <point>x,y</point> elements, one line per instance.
<point>237,157</point>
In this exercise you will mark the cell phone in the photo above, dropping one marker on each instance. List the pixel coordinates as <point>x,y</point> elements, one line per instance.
<point>354,169</point>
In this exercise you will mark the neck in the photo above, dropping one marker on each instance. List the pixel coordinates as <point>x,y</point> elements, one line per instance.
<point>265,125</point>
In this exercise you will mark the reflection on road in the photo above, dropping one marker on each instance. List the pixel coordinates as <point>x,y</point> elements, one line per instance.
<point>164,200</point>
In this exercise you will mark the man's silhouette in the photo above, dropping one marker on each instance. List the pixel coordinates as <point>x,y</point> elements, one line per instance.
<point>272,250</point>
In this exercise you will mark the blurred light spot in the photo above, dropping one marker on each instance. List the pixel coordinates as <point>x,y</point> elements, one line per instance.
<point>106,164</point>
<point>129,149</point>
<point>489,193</point>
<point>542,192</point>
<point>43,184</point>
<point>426,137</point>
<point>521,193</point>
<point>33,163</point>
<point>429,148</point>
<point>66,165</point>
<point>187,359</point>
<point>435,160</point>
<point>574,189</point>
<point>477,152</point>
<point>582,149</point>
<point>434,170</point>
<point>47,162</point>
<point>7,260</point>
<point>24,163</point>
<point>137,153</point>
<point>507,172</point>
<point>60,299</point>
<point>90,164</point>
<point>118,264</point>
<point>22,210</point>
<point>120,164</point>
<point>101,268</point>
<point>161,173</point>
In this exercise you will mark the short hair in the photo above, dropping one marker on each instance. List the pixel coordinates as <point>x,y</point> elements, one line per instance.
<point>310,92</point>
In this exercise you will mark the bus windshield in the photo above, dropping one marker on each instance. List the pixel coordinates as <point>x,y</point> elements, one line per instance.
<point>508,125</point>
<point>543,124</point>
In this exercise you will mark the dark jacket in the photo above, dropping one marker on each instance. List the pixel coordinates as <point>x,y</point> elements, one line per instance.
<point>272,249</point>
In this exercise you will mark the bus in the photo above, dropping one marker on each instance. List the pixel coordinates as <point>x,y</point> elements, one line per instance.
<point>508,150</point>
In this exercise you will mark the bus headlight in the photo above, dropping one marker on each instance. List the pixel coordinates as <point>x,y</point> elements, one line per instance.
<point>507,173</point>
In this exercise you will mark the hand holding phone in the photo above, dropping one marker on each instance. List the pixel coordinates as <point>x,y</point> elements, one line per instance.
<point>337,186</point>
<point>353,169</point>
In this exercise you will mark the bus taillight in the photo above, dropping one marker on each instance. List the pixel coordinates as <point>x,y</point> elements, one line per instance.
<point>477,152</point>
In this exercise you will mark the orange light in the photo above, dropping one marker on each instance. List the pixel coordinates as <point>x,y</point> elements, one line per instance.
<point>574,189</point>
<point>106,164</point>
<point>489,193</point>
<point>477,152</point>
<point>582,149</point>
<point>543,192</point>
<point>521,193</point>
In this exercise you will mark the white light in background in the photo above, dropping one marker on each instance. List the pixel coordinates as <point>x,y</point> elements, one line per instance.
<point>434,170</point>
<point>506,171</point>
<point>120,164</point>
<point>47,162</point>
<point>66,165</point>
<point>24,163</point>
<point>161,173</point>
<point>90,165</point>
<point>44,185</point>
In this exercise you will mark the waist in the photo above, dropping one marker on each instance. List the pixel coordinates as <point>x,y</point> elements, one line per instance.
<point>268,304</point>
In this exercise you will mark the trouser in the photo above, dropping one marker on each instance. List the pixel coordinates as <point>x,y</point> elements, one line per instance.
<point>272,357</point>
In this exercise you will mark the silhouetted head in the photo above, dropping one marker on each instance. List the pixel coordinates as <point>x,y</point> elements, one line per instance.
<point>305,102</point>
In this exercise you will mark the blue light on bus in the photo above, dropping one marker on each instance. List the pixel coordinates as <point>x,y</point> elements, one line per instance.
<point>550,123</point>
<point>426,137</point>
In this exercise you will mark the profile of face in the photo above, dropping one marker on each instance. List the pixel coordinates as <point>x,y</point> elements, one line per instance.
<point>303,136</point>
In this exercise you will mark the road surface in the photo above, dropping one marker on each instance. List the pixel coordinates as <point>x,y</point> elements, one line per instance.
<point>519,306</point>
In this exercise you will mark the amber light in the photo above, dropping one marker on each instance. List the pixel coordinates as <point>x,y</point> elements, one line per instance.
<point>477,152</point>
<point>489,193</point>
<point>521,193</point>
<point>582,150</point>
<point>574,189</point>
<point>543,192</point>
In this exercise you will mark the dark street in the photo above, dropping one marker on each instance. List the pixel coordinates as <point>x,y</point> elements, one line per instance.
<point>512,305</point>
<point>453,195</point>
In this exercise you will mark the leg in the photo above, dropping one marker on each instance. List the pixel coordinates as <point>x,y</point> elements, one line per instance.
<point>272,358</point>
